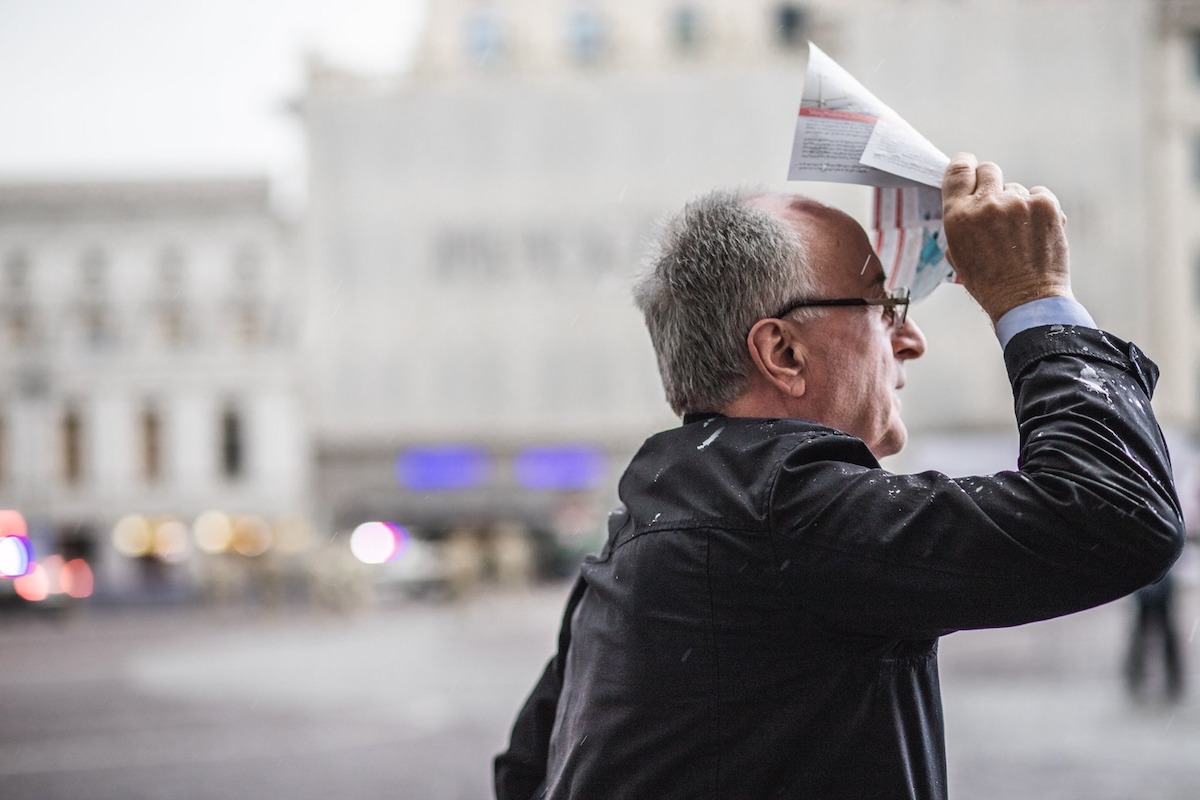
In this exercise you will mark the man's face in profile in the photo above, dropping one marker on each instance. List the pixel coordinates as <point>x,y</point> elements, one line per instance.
<point>855,354</point>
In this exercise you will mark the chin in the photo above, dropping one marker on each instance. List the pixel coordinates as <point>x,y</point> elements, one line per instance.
<point>891,442</point>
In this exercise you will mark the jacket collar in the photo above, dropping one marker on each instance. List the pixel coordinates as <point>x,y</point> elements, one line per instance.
<point>700,416</point>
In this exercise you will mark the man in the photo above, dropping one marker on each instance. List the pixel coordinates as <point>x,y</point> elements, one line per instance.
<point>763,619</point>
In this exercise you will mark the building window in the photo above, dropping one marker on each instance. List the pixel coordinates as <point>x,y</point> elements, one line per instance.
<point>171,266</point>
<point>247,323</point>
<point>71,433</point>
<point>685,28</point>
<point>16,272</point>
<point>544,253</point>
<point>470,254</point>
<point>587,35</point>
<point>247,267</point>
<point>93,268</point>
<point>151,445</point>
<point>791,26</point>
<point>98,329</point>
<point>1196,160</point>
<point>172,325</point>
<point>232,446</point>
<point>1196,278</point>
<point>1195,43</point>
<point>485,39</point>
<point>18,324</point>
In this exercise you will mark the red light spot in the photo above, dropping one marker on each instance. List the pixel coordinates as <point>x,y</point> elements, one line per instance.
<point>77,579</point>
<point>34,586</point>
<point>12,523</point>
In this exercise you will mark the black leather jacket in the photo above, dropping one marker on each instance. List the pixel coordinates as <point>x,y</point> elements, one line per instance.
<point>763,620</point>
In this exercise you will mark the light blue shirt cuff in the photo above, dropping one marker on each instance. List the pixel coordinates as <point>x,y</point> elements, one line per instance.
<point>1046,311</point>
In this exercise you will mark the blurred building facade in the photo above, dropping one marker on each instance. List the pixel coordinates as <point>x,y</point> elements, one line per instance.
<point>1097,99</point>
<point>474,225</point>
<point>473,229</point>
<point>148,362</point>
<point>447,340</point>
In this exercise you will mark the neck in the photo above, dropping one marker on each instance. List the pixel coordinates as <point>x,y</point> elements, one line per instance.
<point>760,404</point>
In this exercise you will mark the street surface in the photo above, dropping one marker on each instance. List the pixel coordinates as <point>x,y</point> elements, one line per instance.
<point>412,699</point>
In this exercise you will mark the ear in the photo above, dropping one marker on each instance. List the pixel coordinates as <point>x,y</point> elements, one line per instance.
<point>779,358</point>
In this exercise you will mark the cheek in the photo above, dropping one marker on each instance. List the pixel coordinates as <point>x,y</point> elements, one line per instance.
<point>849,380</point>
<point>855,392</point>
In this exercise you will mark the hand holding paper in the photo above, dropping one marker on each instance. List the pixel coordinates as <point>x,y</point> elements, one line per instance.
<point>981,210</point>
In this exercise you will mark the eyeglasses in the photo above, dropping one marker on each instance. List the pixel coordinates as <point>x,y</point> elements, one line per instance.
<point>894,302</point>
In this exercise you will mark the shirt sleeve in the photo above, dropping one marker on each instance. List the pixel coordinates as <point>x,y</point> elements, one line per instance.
<point>1045,311</point>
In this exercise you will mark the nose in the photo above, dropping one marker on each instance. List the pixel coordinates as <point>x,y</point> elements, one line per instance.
<point>908,342</point>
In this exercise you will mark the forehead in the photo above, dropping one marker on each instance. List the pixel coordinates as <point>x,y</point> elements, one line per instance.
<point>844,261</point>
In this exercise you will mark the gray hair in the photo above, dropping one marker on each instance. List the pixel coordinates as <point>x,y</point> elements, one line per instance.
<point>718,266</point>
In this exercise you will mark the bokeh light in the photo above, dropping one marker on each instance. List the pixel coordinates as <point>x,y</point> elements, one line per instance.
<point>133,536</point>
<point>55,576</point>
<point>12,523</point>
<point>402,537</point>
<point>16,556</point>
<point>378,542</point>
<point>213,532</point>
<point>171,542</point>
<point>76,579</point>
<point>251,535</point>
<point>34,586</point>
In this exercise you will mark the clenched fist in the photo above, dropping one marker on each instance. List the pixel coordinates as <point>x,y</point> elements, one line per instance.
<point>1007,243</point>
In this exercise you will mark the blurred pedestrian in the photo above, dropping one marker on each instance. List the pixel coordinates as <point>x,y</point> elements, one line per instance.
<point>763,619</point>
<point>1154,639</point>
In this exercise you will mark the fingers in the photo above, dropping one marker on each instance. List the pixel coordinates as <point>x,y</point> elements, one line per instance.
<point>1045,206</point>
<point>965,176</point>
<point>1042,193</point>
<point>989,178</point>
<point>1039,197</point>
<point>1007,243</point>
<point>960,176</point>
<point>1017,189</point>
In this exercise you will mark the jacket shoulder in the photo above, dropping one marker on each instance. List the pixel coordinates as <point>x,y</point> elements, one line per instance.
<point>721,470</point>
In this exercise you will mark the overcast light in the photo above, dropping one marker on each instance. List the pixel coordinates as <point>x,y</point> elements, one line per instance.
<point>110,88</point>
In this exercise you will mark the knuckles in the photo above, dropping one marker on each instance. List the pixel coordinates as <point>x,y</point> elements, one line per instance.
<point>1045,207</point>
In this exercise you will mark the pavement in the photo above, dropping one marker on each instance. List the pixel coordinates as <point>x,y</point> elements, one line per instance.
<point>412,699</point>
<point>1041,711</point>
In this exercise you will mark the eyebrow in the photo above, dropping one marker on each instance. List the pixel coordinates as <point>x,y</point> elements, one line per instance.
<point>880,277</point>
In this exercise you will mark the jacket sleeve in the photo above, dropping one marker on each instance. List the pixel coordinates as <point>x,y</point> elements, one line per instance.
<point>1090,514</point>
<point>519,770</point>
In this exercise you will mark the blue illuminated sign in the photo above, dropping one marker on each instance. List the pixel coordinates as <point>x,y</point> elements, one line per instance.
<point>563,467</point>
<point>441,468</point>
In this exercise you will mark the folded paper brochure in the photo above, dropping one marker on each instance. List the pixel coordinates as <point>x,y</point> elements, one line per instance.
<point>844,134</point>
